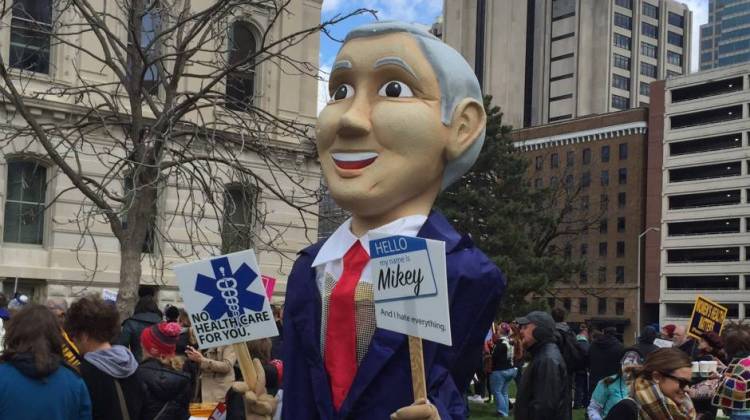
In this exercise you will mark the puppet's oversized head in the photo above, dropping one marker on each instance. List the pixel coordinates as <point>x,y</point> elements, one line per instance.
<point>405,120</point>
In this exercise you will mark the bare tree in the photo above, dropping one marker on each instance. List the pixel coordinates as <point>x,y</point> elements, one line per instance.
<point>158,107</point>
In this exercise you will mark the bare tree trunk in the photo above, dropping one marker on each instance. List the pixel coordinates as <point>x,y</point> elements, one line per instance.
<point>130,277</point>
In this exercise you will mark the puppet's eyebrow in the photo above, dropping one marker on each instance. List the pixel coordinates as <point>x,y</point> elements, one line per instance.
<point>398,61</point>
<point>341,64</point>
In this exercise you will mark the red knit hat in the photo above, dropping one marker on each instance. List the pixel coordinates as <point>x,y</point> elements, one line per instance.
<point>161,339</point>
<point>669,329</point>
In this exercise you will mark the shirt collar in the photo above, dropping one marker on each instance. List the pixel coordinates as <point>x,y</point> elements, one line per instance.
<point>342,239</point>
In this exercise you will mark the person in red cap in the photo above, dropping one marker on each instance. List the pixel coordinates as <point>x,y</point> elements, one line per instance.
<point>667,331</point>
<point>168,387</point>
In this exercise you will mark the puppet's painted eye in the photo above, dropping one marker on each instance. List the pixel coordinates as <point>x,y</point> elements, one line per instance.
<point>343,91</point>
<point>396,89</point>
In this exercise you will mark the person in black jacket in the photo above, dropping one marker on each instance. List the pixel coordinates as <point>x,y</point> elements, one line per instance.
<point>604,357</point>
<point>544,392</point>
<point>168,388</point>
<point>92,324</point>
<point>646,342</point>
<point>146,314</point>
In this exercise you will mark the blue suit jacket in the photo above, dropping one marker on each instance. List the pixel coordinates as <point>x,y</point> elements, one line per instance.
<point>382,384</point>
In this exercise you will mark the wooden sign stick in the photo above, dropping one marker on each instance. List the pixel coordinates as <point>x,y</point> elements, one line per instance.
<point>246,365</point>
<point>416,357</point>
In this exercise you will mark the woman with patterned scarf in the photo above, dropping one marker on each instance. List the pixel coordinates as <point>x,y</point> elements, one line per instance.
<point>659,386</point>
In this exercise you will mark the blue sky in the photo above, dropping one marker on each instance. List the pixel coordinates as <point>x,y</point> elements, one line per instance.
<point>427,12</point>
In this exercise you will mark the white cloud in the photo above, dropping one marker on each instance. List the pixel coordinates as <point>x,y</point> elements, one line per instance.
<point>700,16</point>
<point>329,5</point>
<point>323,73</point>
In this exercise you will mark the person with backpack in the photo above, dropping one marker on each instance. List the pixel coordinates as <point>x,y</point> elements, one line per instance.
<point>503,370</point>
<point>604,357</point>
<point>572,352</point>
<point>108,370</point>
<point>544,392</point>
<point>168,387</point>
<point>146,314</point>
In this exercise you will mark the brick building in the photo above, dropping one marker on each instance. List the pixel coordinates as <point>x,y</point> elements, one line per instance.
<point>598,163</point>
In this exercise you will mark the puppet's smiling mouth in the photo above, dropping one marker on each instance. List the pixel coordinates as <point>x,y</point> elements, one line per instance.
<point>353,160</point>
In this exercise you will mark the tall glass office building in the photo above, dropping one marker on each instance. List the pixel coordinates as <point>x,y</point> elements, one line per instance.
<point>725,39</point>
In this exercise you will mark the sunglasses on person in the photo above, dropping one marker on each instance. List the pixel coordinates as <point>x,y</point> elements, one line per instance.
<point>681,381</point>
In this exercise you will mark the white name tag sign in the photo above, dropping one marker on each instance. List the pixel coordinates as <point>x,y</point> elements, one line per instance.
<point>410,286</point>
<point>226,299</point>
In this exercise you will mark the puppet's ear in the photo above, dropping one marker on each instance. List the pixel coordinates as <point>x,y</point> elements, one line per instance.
<point>468,122</point>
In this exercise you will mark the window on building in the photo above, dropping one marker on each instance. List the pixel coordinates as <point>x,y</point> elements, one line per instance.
<point>620,102</point>
<point>675,39</point>
<point>649,30</point>
<point>604,178</point>
<point>621,200</point>
<point>693,173</point>
<point>583,305</point>
<point>25,202</point>
<point>706,144</point>
<point>703,255</point>
<point>676,20</point>
<point>620,306</point>
<point>30,35</point>
<point>241,81</point>
<point>603,202</point>
<point>718,87</point>
<point>620,248</point>
<point>674,58</point>
<point>148,51</point>
<point>569,182</point>
<point>568,250</point>
<point>710,116</point>
<point>553,181</point>
<point>601,306</point>
<point>621,41</point>
<point>603,225</point>
<point>539,163</point>
<point>649,50</point>
<point>620,274</point>
<point>628,4</point>
<point>622,176</point>
<point>711,282</point>
<point>566,304</point>
<point>623,151</point>
<point>648,69</point>
<point>570,158</point>
<point>645,89</point>
<point>620,61</point>
<point>554,160</point>
<point>710,199</point>
<point>704,227</point>
<point>538,183</point>
<point>584,250</point>
<point>602,249</point>
<point>239,208</point>
<point>602,274</point>
<point>586,179</point>
<point>586,156</point>
<point>620,82</point>
<point>650,10</point>
<point>623,21</point>
<point>621,224</point>
<point>583,277</point>
<point>585,203</point>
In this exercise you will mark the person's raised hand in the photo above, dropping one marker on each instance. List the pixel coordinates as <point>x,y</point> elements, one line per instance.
<point>420,410</point>
<point>259,405</point>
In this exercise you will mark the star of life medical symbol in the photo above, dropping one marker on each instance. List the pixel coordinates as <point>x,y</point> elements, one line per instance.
<point>228,290</point>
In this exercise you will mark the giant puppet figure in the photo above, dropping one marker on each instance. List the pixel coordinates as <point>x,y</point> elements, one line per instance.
<point>405,120</point>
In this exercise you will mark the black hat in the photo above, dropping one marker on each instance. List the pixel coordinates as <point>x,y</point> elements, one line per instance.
<point>538,318</point>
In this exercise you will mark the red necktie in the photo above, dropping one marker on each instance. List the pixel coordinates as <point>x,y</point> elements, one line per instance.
<point>341,330</point>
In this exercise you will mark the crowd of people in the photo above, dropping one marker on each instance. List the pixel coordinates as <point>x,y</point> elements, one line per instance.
<point>82,362</point>
<point>558,369</point>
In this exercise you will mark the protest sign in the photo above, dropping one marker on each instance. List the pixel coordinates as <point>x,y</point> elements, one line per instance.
<point>269,283</point>
<point>226,299</point>
<point>109,295</point>
<point>707,316</point>
<point>410,286</point>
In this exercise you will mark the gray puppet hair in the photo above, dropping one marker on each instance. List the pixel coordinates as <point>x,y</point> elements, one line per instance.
<point>456,79</point>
